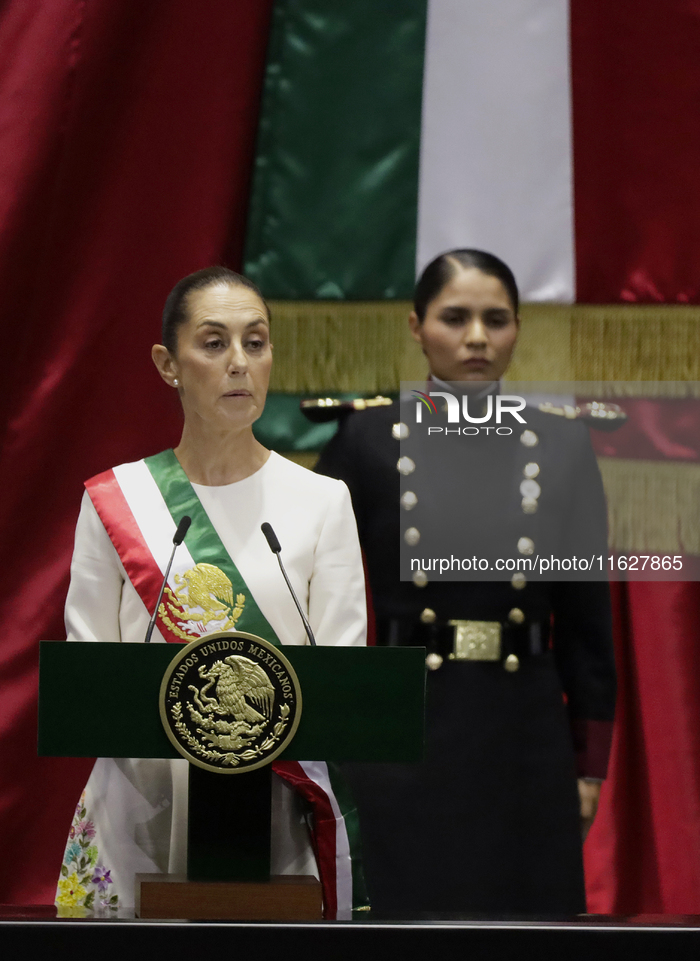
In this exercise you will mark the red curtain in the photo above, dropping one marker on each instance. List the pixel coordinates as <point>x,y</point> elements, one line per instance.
<point>635,94</point>
<point>126,140</point>
<point>635,90</point>
<point>642,855</point>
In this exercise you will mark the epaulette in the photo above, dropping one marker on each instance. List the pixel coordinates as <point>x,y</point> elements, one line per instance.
<point>320,410</point>
<point>607,417</point>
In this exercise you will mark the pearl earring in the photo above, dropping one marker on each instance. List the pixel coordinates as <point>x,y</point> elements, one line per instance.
<point>176,383</point>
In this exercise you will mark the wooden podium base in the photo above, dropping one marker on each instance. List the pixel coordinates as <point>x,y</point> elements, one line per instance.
<point>282,898</point>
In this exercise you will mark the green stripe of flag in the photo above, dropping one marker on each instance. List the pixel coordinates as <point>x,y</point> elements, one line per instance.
<point>202,541</point>
<point>348,808</point>
<point>334,197</point>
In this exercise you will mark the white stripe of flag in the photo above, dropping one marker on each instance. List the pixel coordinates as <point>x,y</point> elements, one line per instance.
<point>496,154</point>
<point>154,520</point>
<point>317,771</point>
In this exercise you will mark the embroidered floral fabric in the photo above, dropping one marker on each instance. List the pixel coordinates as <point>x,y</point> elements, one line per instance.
<point>84,883</point>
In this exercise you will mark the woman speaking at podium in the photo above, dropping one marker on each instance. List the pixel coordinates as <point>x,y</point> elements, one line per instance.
<point>216,353</point>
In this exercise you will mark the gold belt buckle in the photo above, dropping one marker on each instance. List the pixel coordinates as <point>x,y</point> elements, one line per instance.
<point>476,641</point>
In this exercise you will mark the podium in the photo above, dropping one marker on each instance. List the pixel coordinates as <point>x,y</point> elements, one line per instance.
<point>359,704</point>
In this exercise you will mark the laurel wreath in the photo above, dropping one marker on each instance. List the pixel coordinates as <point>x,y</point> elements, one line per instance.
<point>230,758</point>
<point>172,626</point>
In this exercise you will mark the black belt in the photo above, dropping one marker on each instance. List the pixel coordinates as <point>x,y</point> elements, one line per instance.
<point>467,640</point>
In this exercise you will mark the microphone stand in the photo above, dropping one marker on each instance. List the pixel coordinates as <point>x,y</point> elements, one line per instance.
<point>275,547</point>
<point>179,537</point>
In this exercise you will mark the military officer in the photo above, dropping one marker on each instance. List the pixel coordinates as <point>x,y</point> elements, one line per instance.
<point>521,686</point>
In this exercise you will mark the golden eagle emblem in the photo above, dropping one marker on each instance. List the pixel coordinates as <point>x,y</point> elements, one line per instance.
<point>236,677</point>
<point>203,596</point>
<point>240,684</point>
<point>230,701</point>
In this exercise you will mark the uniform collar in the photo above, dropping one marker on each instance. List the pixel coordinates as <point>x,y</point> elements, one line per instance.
<point>492,387</point>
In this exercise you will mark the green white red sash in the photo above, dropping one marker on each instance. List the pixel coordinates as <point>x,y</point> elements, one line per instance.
<point>140,505</point>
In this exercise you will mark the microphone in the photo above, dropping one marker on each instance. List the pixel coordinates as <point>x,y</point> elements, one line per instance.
<point>178,538</point>
<point>275,547</point>
<point>182,528</point>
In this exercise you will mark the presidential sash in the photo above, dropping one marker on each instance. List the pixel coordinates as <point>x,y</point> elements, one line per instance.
<point>140,505</point>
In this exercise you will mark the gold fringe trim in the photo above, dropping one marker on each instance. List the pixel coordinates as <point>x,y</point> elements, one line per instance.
<point>641,342</point>
<point>343,346</point>
<point>652,505</point>
<point>608,345</point>
<point>543,351</point>
<point>365,347</point>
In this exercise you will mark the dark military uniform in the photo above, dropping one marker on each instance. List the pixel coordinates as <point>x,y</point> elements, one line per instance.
<point>489,822</point>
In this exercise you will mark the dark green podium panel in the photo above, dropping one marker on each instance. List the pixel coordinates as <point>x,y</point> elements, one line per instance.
<point>239,850</point>
<point>358,703</point>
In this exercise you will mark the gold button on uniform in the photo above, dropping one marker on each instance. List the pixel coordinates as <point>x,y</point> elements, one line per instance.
<point>420,578</point>
<point>405,466</point>
<point>412,536</point>
<point>400,431</point>
<point>531,470</point>
<point>526,545</point>
<point>512,663</point>
<point>516,616</point>
<point>518,581</point>
<point>433,661</point>
<point>428,616</point>
<point>529,438</point>
<point>529,505</point>
<point>530,488</point>
<point>408,500</point>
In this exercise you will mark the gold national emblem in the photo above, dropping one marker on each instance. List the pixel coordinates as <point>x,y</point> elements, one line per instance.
<point>230,702</point>
<point>202,602</point>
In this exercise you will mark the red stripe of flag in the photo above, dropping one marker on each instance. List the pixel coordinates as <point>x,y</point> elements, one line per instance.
<point>324,832</point>
<point>125,534</point>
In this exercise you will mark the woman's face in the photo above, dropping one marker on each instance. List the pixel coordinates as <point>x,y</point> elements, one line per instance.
<point>469,329</point>
<point>223,357</point>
